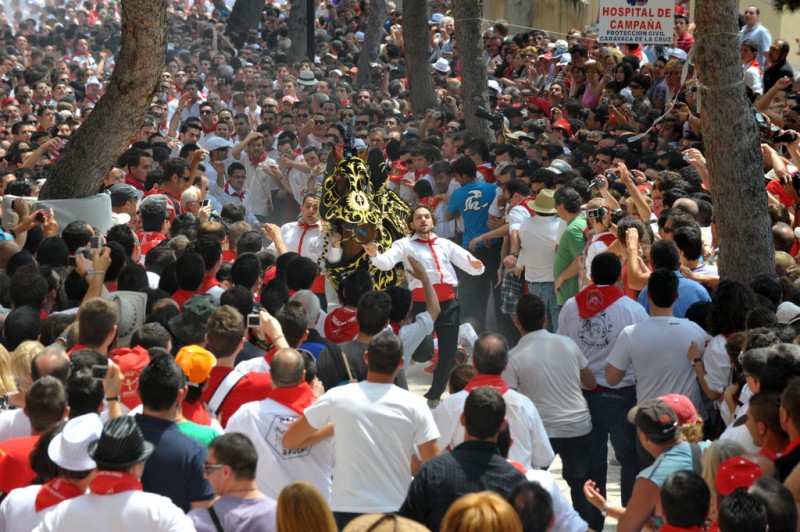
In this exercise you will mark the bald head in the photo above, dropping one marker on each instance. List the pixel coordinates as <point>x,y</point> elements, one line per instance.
<point>766,465</point>
<point>7,249</point>
<point>53,361</point>
<point>490,354</point>
<point>287,368</point>
<point>687,205</point>
<point>783,237</point>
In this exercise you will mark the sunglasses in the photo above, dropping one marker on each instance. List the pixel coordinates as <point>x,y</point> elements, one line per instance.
<point>206,112</point>
<point>301,116</point>
<point>319,122</point>
<point>362,123</point>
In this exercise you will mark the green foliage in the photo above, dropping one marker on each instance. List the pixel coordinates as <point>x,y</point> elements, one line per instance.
<point>786,5</point>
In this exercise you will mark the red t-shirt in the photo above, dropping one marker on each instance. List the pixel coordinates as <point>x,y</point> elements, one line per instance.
<point>15,467</point>
<point>253,387</point>
<point>196,413</point>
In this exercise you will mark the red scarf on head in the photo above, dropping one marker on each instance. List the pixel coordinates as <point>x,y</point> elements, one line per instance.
<point>480,380</point>
<point>432,202</point>
<point>398,170</point>
<point>298,398</point>
<point>594,299</point>
<point>111,482</point>
<point>54,492</point>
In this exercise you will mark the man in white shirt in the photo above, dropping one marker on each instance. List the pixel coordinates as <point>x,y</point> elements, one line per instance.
<point>261,171</point>
<point>235,191</point>
<point>538,241</point>
<point>656,348</point>
<point>265,422</point>
<point>531,446</point>
<point>438,257</point>
<point>305,237</point>
<point>550,370</point>
<point>594,318</point>
<point>377,428</point>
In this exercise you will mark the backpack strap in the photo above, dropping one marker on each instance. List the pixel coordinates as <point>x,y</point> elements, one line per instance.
<point>697,466</point>
<point>215,518</point>
<point>223,390</point>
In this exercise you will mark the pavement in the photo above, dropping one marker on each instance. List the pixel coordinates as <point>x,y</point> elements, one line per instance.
<point>419,382</point>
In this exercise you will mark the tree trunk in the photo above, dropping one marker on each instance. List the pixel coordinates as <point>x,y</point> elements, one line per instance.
<point>416,40</point>
<point>474,85</point>
<point>371,47</point>
<point>731,145</point>
<point>298,30</point>
<point>244,16</point>
<point>97,144</point>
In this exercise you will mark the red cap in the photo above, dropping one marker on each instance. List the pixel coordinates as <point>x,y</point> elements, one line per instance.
<point>683,407</point>
<point>542,104</point>
<point>563,124</point>
<point>735,473</point>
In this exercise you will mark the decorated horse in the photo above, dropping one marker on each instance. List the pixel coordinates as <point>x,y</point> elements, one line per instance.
<point>355,203</point>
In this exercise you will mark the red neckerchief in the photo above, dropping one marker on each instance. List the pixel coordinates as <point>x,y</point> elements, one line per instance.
<point>150,238</point>
<point>255,161</point>
<point>430,201</point>
<point>305,227</point>
<point>298,398</point>
<point>210,129</point>
<point>397,171</point>
<point>769,453</point>
<point>135,183</point>
<point>229,191</point>
<point>430,242</point>
<point>111,482</point>
<point>594,299</point>
<point>421,173</point>
<point>77,347</point>
<point>487,172</point>
<point>54,492</point>
<point>481,380</point>
<point>395,325</point>
<point>794,444</point>
<point>755,64</point>
<point>527,204</point>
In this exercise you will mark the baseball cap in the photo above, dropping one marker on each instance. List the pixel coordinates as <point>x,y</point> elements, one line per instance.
<point>655,419</point>
<point>683,407</point>
<point>122,193</point>
<point>559,166</point>
<point>216,143</point>
<point>196,362</point>
<point>735,473</point>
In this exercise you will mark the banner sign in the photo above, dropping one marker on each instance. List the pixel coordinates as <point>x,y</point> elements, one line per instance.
<point>636,21</point>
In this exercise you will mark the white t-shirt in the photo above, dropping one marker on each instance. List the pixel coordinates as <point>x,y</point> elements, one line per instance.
<point>377,428</point>
<point>539,237</point>
<point>546,368</point>
<point>597,334</point>
<point>265,422</point>
<point>656,349</point>
<point>717,364</point>
<point>129,511</point>
<point>531,446</point>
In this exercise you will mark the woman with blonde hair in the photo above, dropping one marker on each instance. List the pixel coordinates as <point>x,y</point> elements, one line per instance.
<point>7,384</point>
<point>301,508</point>
<point>476,512</point>
<point>20,366</point>
<point>713,456</point>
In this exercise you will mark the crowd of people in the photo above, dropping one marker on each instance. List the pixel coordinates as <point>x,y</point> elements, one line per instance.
<point>191,365</point>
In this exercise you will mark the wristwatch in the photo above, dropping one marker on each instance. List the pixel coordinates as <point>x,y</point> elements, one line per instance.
<point>604,510</point>
<point>113,398</point>
<point>696,360</point>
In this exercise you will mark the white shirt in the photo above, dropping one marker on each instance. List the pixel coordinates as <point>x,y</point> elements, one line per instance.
<point>516,216</point>
<point>412,334</point>
<point>307,241</point>
<point>437,256</point>
<point>597,334</point>
<point>14,424</point>
<point>656,349</point>
<point>367,477</point>
<point>265,422</point>
<point>227,194</point>
<point>717,363</point>
<point>546,368</point>
<point>531,447</point>
<point>539,237</point>
<point>129,511</point>
<point>259,185</point>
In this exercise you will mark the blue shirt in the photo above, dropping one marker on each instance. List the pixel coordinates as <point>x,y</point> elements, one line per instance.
<point>689,292</point>
<point>473,201</point>
<point>175,469</point>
